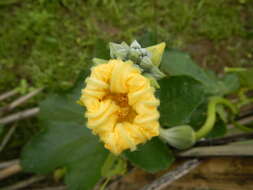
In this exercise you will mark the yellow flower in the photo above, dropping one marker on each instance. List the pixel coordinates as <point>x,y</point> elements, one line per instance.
<point>121,106</point>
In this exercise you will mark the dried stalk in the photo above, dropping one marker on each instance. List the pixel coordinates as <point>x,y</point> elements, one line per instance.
<point>246,120</point>
<point>20,115</point>
<point>7,137</point>
<point>8,94</point>
<point>171,176</point>
<point>242,150</point>
<point>16,168</point>
<point>225,140</point>
<point>8,163</point>
<point>23,99</point>
<point>25,183</point>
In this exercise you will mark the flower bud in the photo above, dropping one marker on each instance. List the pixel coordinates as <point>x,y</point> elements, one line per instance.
<point>146,63</point>
<point>134,55</point>
<point>119,51</point>
<point>143,52</point>
<point>156,52</point>
<point>135,45</point>
<point>180,137</point>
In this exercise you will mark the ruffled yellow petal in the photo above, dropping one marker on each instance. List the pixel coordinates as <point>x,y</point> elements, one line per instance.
<point>121,106</point>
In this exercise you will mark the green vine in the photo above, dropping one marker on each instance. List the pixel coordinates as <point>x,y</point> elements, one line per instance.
<point>211,115</point>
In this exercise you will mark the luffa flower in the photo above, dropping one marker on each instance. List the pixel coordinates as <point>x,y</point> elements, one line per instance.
<point>120,105</point>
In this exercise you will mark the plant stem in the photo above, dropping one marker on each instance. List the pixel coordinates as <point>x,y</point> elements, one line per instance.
<point>104,184</point>
<point>234,69</point>
<point>211,115</point>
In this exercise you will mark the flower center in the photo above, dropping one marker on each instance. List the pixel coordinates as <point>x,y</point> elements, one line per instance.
<point>126,112</point>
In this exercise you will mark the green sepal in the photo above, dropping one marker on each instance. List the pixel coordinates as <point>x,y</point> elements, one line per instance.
<point>119,51</point>
<point>156,52</point>
<point>114,165</point>
<point>98,61</point>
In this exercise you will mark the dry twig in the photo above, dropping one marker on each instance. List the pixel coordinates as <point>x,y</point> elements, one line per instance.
<point>9,163</point>
<point>8,94</point>
<point>224,150</point>
<point>23,99</point>
<point>25,183</point>
<point>16,168</point>
<point>171,176</point>
<point>225,140</point>
<point>20,115</point>
<point>7,137</point>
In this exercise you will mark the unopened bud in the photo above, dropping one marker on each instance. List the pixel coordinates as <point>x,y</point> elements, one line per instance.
<point>156,52</point>
<point>180,137</point>
<point>134,55</point>
<point>119,51</point>
<point>135,45</point>
<point>146,63</point>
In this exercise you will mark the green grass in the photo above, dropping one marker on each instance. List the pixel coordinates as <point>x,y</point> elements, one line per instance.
<point>48,42</point>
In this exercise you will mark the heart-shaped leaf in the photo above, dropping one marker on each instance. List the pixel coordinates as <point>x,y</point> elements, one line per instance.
<point>152,156</point>
<point>176,63</point>
<point>179,97</point>
<point>65,142</point>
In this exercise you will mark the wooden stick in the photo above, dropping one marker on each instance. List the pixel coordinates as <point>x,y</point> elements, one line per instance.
<point>9,163</point>
<point>171,176</point>
<point>246,120</point>
<point>7,137</point>
<point>25,183</point>
<point>224,150</point>
<point>20,115</point>
<point>21,100</point>
<point>8,94</point>
<point>16,168</point>
<point>225,140</point>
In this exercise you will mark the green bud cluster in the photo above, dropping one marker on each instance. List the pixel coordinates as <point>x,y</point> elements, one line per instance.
<point>140,56</point>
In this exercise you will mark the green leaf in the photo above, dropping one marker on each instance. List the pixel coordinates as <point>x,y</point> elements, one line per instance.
<point>229,83</point>
<point>176,63</point>
<point>152,156</point>
<point>65,142</point>
<point>219,130</point>
<point>179,97</point>
<point>66,145</point>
